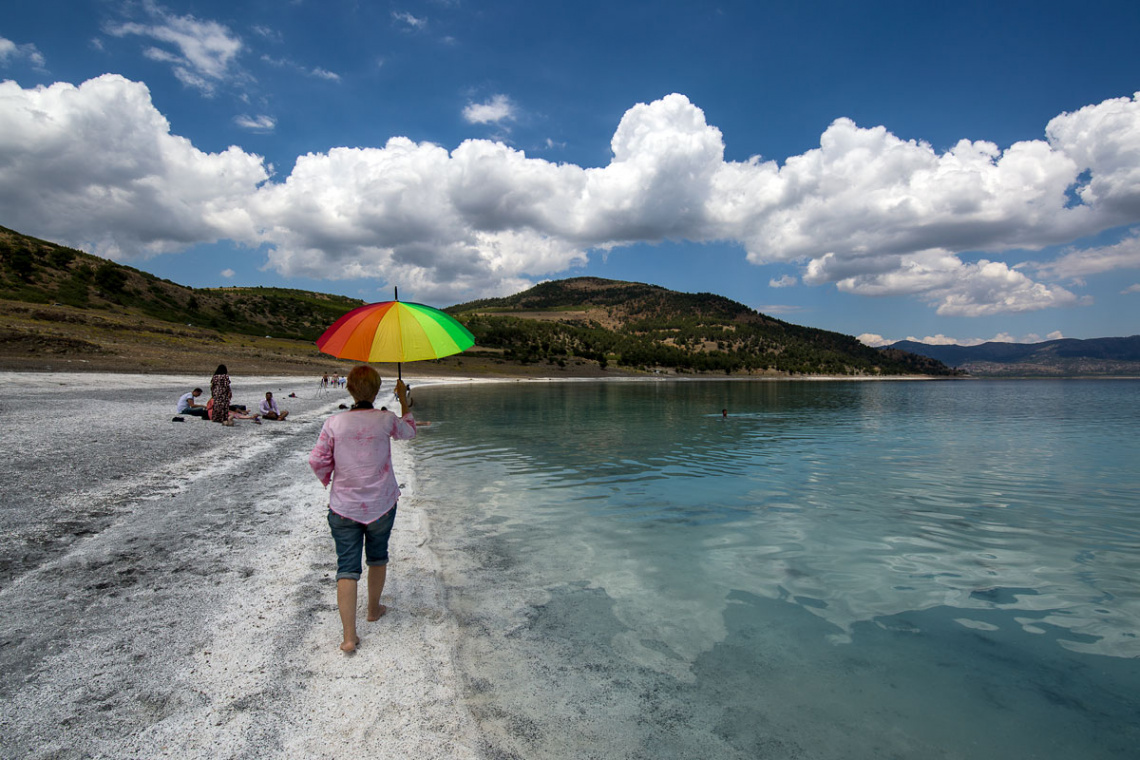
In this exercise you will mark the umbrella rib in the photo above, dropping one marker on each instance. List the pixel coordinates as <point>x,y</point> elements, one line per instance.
<point>399,330</point>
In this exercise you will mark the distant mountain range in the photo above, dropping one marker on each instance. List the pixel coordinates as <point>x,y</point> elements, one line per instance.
<point>1067,357</point>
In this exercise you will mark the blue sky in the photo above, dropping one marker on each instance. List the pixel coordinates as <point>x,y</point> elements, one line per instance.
<point>941,171</point>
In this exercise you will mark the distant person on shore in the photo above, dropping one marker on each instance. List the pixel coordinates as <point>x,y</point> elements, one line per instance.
<point>269,408</point>
<point>335,381</point>
<point>221,395</point>
<point>186,404</point>
<point>324,381</point>
<point>354,453</point>
<point>724,414</point>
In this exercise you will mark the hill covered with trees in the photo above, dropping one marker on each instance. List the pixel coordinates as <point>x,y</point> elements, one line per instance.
<point>581,326</point>
<point>650,328</point>
<point>36,271</point>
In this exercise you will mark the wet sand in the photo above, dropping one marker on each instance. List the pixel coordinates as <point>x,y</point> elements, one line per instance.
<point>166,589</point>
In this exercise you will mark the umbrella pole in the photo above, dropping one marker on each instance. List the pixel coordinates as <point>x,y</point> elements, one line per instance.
<point>396,297</point>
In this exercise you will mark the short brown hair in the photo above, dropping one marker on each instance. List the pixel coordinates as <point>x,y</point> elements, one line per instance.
<point>363,383</point>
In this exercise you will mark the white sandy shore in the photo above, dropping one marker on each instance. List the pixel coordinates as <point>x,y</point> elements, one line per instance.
<point>196,617</point>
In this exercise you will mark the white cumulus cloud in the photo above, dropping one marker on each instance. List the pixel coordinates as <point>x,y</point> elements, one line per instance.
<point>409,21</point>
<point>200,52</point>
<point>261,123</point>
<point>499,108</point>
<point>286,63</point>
<point>866,211</point>
<point>1104,139</point>
<point>407,211</point>
<point>96,167</point>
<point>786,281</point>
<point>874,340</point>
<point>779,309</point>
<point>10,52</point>
<point>942,340</point>
<point>957,288</point>
<point>1075,264</point>
<point>269,33</point>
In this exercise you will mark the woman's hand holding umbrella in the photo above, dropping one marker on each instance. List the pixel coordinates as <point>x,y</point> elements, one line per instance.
<point>403,397</point>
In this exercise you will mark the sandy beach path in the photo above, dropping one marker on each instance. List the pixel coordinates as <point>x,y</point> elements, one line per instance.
<point>166,588</point>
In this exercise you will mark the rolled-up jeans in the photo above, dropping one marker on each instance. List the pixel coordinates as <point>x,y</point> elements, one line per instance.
<point>351,537</point>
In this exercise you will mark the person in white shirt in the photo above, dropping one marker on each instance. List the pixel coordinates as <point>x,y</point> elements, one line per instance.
<point>186,404</point>
<point>269,408</point>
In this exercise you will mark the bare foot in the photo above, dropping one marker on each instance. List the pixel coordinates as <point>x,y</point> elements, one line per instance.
<point>350,646</point>
<point>378,613</point>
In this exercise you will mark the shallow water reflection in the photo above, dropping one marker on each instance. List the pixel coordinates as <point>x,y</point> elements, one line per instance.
<point>826,543</point>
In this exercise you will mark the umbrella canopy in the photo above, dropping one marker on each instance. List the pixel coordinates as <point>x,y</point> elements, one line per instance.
<point>395,331</point>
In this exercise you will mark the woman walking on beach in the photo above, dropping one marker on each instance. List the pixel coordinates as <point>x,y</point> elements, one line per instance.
<point>354,452</point>
<point>221,394</point>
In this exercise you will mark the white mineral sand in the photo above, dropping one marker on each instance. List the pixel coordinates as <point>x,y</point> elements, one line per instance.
<point>168,587</point>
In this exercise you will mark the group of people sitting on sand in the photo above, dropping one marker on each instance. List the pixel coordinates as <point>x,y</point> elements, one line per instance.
<point>220,409</point>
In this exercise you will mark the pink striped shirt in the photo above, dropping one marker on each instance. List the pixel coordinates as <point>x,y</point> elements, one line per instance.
<point>354,451</point>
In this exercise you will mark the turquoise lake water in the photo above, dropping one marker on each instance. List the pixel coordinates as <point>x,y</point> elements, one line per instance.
<point>837,570</point>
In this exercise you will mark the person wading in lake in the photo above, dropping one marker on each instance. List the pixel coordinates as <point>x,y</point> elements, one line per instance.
<point>354,452</point>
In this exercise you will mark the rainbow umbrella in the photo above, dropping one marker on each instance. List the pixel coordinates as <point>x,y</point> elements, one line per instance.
<point>395,331</point>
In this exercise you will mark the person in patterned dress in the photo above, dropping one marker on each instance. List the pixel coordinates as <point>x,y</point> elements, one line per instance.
<point>221,394</point>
